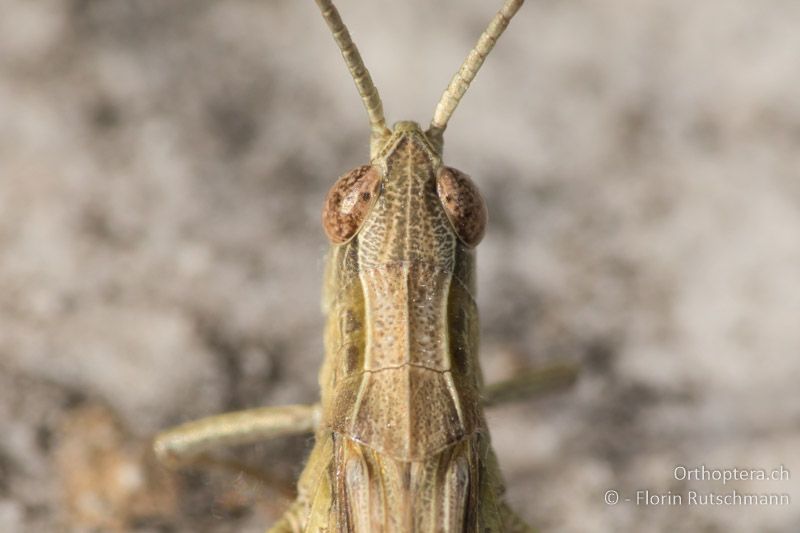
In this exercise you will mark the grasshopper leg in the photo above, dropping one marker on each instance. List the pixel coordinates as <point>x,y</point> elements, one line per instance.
<point>531,383</point>
<point>184,443</point>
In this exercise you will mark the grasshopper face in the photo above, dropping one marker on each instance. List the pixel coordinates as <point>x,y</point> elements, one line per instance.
<point>401,380</point>
<point>403,229</point>
<point>418,200</point>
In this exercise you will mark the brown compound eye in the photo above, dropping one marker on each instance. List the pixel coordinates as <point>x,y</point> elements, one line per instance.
<point>348,203</point>
<point>463,205</point>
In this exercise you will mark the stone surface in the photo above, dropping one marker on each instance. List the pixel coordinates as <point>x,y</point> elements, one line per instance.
<point>162,170</point>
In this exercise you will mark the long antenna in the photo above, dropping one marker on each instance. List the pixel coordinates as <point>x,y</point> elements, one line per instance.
<point>366,88</point>
<point>460,82</point>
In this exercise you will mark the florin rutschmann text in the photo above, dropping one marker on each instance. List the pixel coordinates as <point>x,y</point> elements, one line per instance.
<point>701,474</point>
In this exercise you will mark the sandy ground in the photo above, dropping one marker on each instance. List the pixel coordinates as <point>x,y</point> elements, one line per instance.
<point>162,167</point>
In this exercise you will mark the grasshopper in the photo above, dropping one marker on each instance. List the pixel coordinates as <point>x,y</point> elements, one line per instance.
<point>402,444</point>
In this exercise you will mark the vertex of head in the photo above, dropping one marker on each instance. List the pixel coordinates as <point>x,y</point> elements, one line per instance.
<point>400,130</point>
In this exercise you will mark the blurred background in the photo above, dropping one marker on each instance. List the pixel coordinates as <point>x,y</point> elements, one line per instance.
<point>162,169</point>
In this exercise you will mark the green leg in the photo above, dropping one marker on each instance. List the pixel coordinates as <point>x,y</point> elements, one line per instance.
<point>531,383</point>
<point>191,443</point>
<point>188,442</point>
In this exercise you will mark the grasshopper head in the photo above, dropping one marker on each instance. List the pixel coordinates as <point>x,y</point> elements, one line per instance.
<point>404,185</point>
